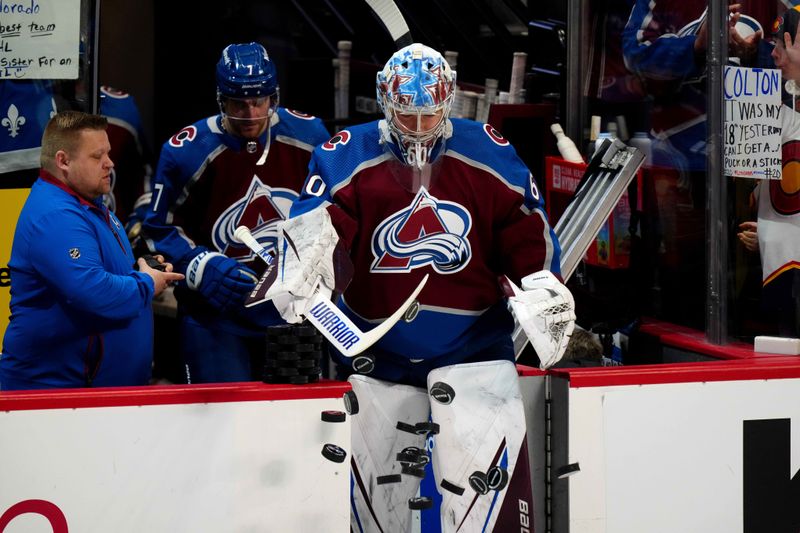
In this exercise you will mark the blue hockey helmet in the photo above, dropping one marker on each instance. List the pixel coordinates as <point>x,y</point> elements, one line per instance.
<point>415,91</point>
<point>245,71</point>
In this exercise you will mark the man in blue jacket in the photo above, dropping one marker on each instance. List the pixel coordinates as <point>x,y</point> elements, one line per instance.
<point>80,312</point>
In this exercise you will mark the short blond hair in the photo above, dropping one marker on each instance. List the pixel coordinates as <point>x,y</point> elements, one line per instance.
<point>63,133</point>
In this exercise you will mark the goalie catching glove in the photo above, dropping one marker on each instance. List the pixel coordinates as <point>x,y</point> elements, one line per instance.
<point>307,263</point>
<point>546,311</point>
<point>224,282</point>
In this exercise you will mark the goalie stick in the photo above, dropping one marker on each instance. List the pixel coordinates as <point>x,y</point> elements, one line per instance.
<point>388,13</point>
<point>323,313</point>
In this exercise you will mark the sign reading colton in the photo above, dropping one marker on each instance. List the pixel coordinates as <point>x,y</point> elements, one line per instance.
<point>752,123</point>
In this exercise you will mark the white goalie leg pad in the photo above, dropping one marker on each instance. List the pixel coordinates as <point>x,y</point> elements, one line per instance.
<point>378,505</point>
<point>478,407</point>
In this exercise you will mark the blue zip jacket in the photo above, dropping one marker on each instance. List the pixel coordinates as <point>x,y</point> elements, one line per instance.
<point>80,314</point>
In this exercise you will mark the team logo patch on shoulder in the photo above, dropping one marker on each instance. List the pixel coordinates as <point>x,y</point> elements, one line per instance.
<point>298,114</point>
<point>260,210</point>
<point>494,135</point>
<point>341,138</point>
<point>112,92</point>
<point>187,134</point>
<point>428,232</point>
<point>74,253</point>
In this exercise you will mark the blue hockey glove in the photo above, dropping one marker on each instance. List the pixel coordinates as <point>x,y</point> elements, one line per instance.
<point>223,281</point>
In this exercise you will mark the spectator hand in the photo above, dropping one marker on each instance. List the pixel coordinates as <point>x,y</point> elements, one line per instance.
<point>738,46</point>
<point>223,281</point>
<point>748,235</point>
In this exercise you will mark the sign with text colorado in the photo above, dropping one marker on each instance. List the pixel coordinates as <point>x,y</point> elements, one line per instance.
<point>39,39</point>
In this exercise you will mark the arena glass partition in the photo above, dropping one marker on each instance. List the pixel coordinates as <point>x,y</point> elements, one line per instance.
<point>652,74</point>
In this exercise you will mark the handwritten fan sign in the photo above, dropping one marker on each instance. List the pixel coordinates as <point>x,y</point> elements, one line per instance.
<point>39,39</point>
<point>752,123</point>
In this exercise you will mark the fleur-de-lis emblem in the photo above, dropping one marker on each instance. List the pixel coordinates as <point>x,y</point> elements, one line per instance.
<point>13,121</point>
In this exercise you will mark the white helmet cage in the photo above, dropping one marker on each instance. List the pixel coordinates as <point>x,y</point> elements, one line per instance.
<point>415,90</point>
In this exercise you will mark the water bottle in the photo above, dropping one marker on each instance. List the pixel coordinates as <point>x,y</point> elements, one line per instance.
<point>641,141</point>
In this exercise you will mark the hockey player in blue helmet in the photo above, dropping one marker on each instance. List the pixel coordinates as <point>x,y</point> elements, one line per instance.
<point>415,92</point>
<point>242,167</point>
<point>247,89</point>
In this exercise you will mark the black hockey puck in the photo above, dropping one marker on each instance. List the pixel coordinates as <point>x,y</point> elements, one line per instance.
<point>477,480</point>
<point>408,428</point>
<point>363,364</point>
<point>304,330</point>
<point>279,329</point>
<point>567,470</point>
<point>333,416</point>
<point>334,453</point>
<point>286,356</point>
<point>452,487</point>
<point>413,456</point>
<point>412,312</point>
<point>419,503</point>
<point>413,471</point>
<point>286,371</point>
<point>497,478</point>
<point>299,380</point>
<point>442,393</point>
<point>350,402</point>
<point>426,428</point>
<point>306,363</point>
<point>287,339</point>
<point>313,371</point>
<point>306,347</point>
<point>391,478</point>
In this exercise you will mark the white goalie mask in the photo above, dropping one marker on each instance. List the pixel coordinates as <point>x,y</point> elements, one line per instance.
<point>415,90</point>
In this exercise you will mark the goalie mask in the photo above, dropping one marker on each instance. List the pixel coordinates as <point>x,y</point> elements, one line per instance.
<point>247,89</point>
<point>415,90</point>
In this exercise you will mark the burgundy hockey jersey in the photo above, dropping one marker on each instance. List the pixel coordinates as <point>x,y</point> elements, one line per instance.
<point>475,216</point>
<point>209,182</point>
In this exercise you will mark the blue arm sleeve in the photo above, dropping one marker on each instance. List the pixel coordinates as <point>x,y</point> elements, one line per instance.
<point>162,236</point>
<point>84,281</point>
<point>653,55</point>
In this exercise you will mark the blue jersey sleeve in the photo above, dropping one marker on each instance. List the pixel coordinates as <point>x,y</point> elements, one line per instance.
<point>161,234</point>
<point>84,281</point>
<point>652,53</point>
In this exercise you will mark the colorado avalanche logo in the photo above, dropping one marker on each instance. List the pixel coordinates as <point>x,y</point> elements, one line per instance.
<point>785,193</point>
<point>428,232</point>
<point>340,139</point>
<point>260,210</point>
<point>495,136</point>
<point>298,114</point>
